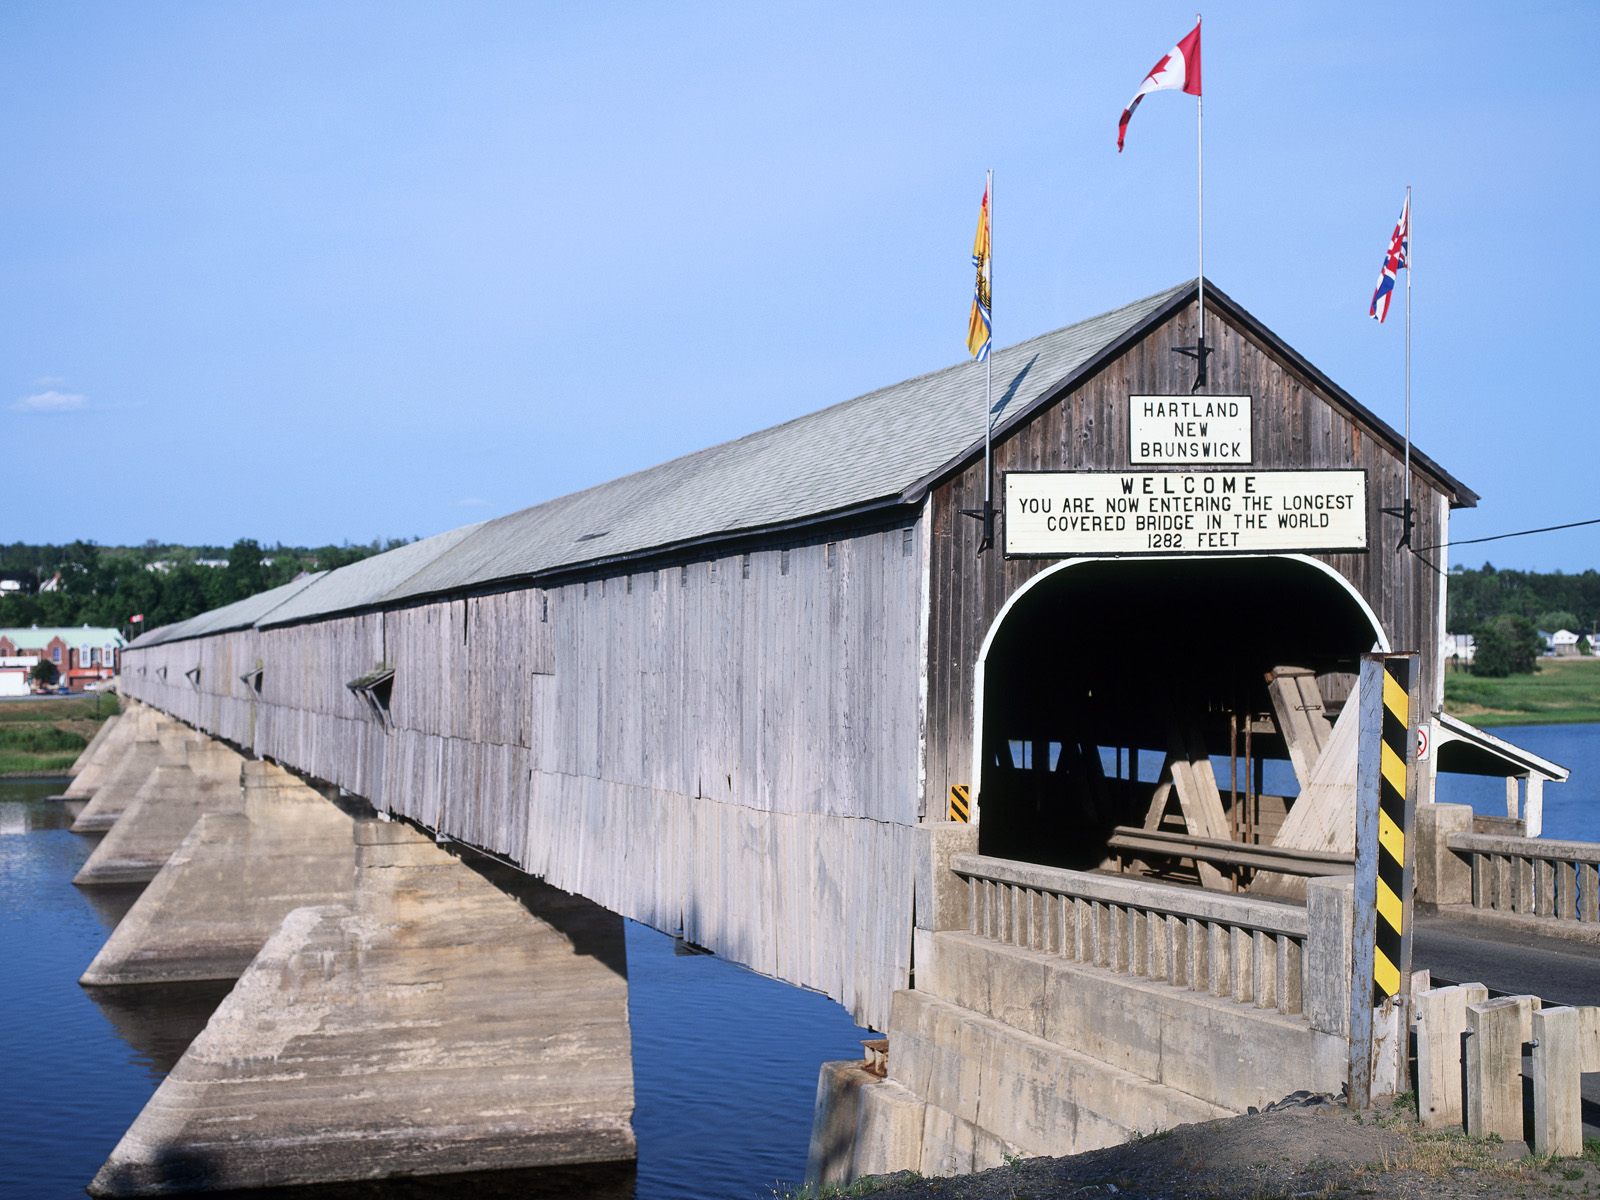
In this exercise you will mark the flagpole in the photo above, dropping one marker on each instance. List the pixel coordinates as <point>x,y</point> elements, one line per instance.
<point>1410,249</point>
<point>988,381</point>
<point>1200,222</point>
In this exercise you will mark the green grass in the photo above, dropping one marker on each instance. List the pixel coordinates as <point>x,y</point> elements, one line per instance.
<point>38,738</point>
<point>35,764</point>
<point>29,712</point>
<point>1562,691</point>
<point>45,737</point>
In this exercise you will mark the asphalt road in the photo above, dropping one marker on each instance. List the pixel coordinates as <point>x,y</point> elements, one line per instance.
<point>1514,964</point>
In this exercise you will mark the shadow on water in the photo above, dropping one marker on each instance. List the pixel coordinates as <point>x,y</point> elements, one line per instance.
<point>158,1021</point>
<point>591,1181</point>
<point>111,904</point>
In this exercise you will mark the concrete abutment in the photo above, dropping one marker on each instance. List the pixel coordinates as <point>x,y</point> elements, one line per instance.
<point>1002,1049</point>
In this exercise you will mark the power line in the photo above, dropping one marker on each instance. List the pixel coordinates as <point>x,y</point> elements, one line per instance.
<point>1500,536</point>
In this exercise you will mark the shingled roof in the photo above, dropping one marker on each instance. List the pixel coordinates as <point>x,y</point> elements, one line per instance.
<point>879,451</point>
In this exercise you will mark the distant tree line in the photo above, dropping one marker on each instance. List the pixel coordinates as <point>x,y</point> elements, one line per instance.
<point>106,585</point>
<point>1506,610</point>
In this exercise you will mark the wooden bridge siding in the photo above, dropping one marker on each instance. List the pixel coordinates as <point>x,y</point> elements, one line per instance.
<point>736,754</point>
<point>741,755</point>
<point>220,700</point>
<point>1293,426</point>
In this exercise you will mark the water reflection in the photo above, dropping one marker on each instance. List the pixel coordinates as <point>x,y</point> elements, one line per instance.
<point>18,817</point>
<point>158,1021</point>
<point>80,1063</point>
<point>112,903</point>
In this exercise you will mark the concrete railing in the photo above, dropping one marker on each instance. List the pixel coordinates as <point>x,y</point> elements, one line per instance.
<point>1470,1052</point>
<point>1531,876</point>
<point>1254,951</point>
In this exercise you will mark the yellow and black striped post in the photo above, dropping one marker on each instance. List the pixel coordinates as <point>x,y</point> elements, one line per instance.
<point>1385,811</point>
<point>1390,962</point>
<point>960,803</point>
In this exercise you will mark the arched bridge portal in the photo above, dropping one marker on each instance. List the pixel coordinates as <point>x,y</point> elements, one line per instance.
<point>1098,669</point>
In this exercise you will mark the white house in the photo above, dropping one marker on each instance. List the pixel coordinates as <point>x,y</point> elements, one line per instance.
<point>14,669</point>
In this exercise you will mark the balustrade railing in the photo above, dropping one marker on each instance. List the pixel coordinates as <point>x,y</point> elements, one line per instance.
<point>1250,950</point>
<point>1532,876</point>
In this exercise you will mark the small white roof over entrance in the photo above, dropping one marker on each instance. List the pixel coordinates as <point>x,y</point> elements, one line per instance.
<point>1476,752</point>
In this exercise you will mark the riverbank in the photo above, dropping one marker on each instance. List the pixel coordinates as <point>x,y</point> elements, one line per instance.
<point>1325,1151</point>
<point>44,736</point>
<point>1563,691</point>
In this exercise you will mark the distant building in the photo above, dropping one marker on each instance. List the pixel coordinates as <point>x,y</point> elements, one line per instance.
<point>1460,647</point>
<point>81,654</point>
<point>1564,642</point>
<point>14,677</point>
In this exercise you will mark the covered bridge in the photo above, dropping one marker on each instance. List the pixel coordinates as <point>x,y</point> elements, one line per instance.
<point>719,696</point>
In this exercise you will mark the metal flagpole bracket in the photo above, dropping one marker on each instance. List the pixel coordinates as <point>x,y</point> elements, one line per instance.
<point>1408,522</point>
<point>986,514</point>
<point>1199,353</point>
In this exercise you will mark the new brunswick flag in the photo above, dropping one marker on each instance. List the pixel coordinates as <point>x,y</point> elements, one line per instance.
<point>978,331</point>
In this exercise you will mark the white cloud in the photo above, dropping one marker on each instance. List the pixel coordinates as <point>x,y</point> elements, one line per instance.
<point>51,401</point>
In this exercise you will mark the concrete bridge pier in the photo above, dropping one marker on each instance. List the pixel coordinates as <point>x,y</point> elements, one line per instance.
<point>159,742</point>
<point>161,814</point>
<point>227,887</point>
<point>89,751</point>
<point>106,752</point>
<point>449,1019</point>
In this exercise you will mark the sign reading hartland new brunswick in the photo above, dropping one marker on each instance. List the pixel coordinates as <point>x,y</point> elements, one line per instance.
<point>1189,429</point>
<point>1065,513</point>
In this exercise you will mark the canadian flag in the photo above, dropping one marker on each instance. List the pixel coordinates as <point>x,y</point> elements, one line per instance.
<point>136,620</point>
<point>1178,70</point>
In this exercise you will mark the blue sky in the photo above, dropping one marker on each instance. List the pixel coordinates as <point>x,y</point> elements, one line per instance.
<point>310,272</point>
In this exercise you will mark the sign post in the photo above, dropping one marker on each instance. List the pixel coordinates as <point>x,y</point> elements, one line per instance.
<point>1380,977</point>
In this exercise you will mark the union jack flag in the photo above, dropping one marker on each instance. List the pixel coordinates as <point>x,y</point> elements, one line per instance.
<point>1393,263</point>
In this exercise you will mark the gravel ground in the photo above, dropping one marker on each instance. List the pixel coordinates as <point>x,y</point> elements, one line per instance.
<point>1322,1150</point>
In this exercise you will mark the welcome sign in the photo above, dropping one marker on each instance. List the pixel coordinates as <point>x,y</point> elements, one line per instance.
<point>1060,514</point>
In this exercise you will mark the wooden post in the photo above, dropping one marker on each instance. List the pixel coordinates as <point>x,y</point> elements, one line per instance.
<point>1441,1020</point>
<point>1557,1072</point>
<point>1385,814</point>
<point>1496,1031</point>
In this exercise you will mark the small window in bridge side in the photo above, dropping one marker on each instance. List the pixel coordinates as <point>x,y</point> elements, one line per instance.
<point>193,676</point>
<point>376,688</point>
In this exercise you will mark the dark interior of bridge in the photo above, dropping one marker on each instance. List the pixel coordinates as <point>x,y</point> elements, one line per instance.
<point>1097,666</point>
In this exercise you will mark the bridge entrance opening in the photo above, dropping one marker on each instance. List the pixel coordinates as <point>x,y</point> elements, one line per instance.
<point>1134,711</point>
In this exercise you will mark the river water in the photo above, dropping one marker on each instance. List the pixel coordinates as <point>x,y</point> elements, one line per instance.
<point>724,1061</point>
